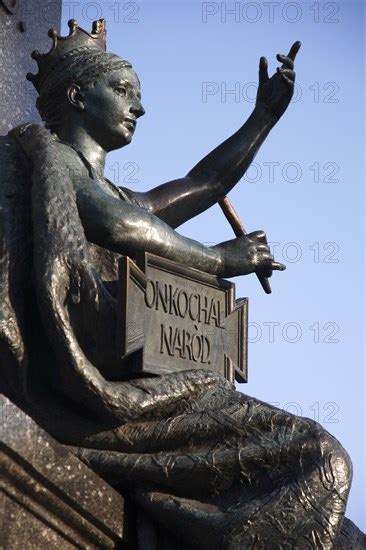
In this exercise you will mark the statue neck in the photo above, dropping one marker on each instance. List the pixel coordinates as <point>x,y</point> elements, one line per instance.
<point>80,140</point>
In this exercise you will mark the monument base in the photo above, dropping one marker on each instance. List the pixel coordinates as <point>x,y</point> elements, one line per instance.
<point>49,498</point>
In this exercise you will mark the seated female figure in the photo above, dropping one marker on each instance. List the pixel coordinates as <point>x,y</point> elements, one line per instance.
<point>212,467</point>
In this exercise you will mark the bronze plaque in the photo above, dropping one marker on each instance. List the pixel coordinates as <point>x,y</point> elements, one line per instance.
<point>175,318</point>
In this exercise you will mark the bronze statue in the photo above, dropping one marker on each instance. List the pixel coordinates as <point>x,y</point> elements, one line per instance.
<point>211,467</point>
<point>97,115</point>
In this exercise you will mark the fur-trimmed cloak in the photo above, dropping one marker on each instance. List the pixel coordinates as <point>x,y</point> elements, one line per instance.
<point>213,468</point>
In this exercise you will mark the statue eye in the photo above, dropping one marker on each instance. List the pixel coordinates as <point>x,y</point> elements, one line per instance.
<point>121,90</point>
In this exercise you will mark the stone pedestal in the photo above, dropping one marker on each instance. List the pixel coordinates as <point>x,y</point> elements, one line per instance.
<point>48,497</point>
<point>23,28</point>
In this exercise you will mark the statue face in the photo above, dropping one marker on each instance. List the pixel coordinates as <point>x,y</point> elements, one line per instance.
<point>111,108</point>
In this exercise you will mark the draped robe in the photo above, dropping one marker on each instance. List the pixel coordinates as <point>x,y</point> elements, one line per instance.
<point>211,467</point>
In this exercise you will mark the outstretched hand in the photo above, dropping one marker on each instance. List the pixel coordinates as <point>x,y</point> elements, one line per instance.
<point>275,93</point>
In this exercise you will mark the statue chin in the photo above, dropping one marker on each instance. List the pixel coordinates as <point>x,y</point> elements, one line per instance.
<point>117,139</point>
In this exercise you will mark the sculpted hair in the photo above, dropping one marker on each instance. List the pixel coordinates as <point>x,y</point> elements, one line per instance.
<point>78,66</point>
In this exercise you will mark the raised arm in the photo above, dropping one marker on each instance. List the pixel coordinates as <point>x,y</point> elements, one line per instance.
<point>216,174</point>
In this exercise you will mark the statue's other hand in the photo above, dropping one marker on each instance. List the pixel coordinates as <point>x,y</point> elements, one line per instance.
<point>275,93</point>
<point>248,254</point>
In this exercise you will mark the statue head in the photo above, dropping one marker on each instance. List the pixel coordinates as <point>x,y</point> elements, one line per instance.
<point>80,84</point>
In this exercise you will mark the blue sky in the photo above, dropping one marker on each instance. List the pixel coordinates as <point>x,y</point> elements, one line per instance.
<point>198,64</point>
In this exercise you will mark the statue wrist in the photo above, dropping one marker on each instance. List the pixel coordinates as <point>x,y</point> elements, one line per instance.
<point>219,259</point>
<point>265,115</point>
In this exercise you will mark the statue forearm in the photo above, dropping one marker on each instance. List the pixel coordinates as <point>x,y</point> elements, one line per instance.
<point>226,164</point>
<point>214,176</point>
<point>128,229</point>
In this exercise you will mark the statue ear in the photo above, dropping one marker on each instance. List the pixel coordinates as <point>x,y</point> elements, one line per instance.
<point>75,97</point>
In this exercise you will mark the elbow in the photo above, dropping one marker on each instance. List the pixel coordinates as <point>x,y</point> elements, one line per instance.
<point>130,236</point>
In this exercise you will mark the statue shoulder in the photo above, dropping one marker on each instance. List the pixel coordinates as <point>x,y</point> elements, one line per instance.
<point>75,167</point>
<point>29,140</point>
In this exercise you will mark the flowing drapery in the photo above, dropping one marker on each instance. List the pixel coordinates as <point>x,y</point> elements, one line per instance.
<point>212,467</point>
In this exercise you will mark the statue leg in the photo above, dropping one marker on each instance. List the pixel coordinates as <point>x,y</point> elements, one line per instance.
<point>230,473</point>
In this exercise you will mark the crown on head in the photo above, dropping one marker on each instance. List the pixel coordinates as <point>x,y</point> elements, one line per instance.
<point>62,45</point>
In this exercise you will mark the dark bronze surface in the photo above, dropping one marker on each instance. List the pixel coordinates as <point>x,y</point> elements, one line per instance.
<point>210,468</point>
<point>100,118</point>
<point>239,231</point>
<point>180,318</point>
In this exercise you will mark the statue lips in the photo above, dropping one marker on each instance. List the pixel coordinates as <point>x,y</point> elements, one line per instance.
<point>130,124</point>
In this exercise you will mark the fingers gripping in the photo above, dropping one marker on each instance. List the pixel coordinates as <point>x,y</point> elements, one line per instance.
<point>258,236</point>
<point>266,261</point>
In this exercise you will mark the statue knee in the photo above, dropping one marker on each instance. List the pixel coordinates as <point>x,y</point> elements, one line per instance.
<point>337,465</point>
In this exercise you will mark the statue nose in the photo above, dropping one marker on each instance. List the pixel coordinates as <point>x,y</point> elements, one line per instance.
<point>137,110</point>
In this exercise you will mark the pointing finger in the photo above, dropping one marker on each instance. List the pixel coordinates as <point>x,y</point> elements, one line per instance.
<point>294,49</point>
<point>276,266</point>
<point>265,269</point>
<point>263,70</point>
